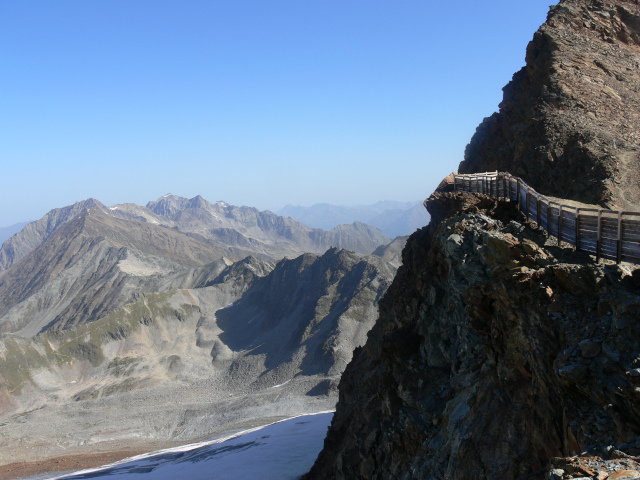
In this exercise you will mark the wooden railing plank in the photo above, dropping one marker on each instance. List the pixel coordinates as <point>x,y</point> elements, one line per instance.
<point>630,248</point>
<point>588,220</point>
<point>619,259</point>
<point>630,226</point>
<point>633,237</point>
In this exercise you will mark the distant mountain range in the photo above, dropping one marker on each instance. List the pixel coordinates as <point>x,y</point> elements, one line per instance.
<point>160,314</point>
<point>87,259</point>
<point>393,218</point>
<point>235,231</point>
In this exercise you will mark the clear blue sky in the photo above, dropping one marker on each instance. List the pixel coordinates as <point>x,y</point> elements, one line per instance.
<point>254,102</point>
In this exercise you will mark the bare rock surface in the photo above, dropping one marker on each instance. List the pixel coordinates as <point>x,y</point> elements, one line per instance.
<point>392,252</point>
<point>495,352</point>
<point>568,122</point>
<point>78,264</point>
<point>34,233</point>
<point>91,265</point>
<point>10,231</point>
<point>211,349</point>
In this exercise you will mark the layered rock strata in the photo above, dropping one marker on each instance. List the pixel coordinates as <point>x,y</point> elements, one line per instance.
<point>495,351</point>
<point>568,123</point>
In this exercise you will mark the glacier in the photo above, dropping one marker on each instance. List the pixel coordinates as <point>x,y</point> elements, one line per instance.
<point>282,450</point>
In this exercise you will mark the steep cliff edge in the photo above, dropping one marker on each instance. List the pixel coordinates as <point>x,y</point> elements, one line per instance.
<point>568,123</point>
<point>497,353</point>
<point>494,353</point>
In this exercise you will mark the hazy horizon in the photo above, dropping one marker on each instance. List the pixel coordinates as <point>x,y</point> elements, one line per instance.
<point>262,104</point>
<point>26,221</point>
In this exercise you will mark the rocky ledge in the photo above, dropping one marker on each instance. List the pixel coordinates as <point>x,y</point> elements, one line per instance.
<point>496,352</point>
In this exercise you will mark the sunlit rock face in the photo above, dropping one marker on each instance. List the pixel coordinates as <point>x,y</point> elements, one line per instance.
<point>568,122</point>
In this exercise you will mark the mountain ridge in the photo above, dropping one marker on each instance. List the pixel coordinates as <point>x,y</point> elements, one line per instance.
<point>11,230</point>
<point>393,218</point>
<point>242,230</point>
<point>35,232</point>
<point>86,261</point>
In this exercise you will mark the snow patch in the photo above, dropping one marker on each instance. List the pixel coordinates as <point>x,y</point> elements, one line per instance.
<point>281,450</point>
<point>276,386</point>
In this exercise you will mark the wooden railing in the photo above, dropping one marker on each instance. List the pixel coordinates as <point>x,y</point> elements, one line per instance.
<point>610,234</point>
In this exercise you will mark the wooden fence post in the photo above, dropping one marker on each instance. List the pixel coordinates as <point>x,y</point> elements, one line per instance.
<point>619,249</point>
<point>549,216</point>
<point>577,228</point>
<point>599,241</point>
<point>559,223</point>
<point>504,186</point>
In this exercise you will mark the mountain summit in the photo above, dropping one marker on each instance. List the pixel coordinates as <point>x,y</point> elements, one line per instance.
<point>568,123</point>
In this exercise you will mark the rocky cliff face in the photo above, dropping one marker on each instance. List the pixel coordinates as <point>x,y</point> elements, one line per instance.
<point>568,123</point>
<point>309,314</point>
<point>495,351</point>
